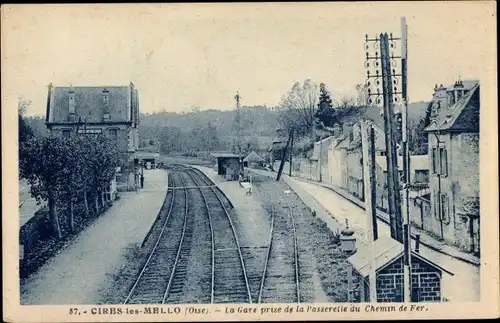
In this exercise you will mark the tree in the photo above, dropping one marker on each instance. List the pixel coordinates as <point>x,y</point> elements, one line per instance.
<point>346,102</point>
<point>25,131</point>
<point>43,166</point>
<point>59,170</point>
<point>104,158</point>
<point>418,138</point>
<point>325,114</point>
<point>362,95</point>
<point>297,110</point>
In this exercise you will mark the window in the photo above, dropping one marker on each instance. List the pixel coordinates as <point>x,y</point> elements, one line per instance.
<point>451,98</point>
<point>439,158</point>
<point>421,176</point>
<point>113,133</point>
<point>66,133</point>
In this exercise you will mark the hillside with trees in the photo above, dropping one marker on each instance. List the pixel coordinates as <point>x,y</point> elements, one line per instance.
<point>208,130</point>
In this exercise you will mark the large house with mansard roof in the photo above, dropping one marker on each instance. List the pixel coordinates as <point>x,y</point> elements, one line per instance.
<point>109,110</point>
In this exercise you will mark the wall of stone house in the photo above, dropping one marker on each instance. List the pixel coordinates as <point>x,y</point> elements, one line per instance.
<point>344,168</point>
<point>122,132</point>
<point>381,188</point>
<point>446,187</point>
<point>420,211</point>
<point>426,283</point>
<point>337,167</point>
<point>465,182</point>
<point>462,181</point>
<point>355,173</point>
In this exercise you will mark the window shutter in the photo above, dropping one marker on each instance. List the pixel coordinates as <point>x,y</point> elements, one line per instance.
<point>434,160</point>
<point>437,208</point>
<point>445,208</point>
<point>444,163</point>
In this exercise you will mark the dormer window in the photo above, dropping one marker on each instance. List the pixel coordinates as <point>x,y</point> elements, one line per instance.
<point>451,98</point>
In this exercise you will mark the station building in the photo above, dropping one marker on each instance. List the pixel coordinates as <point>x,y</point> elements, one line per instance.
<point>92,110</point>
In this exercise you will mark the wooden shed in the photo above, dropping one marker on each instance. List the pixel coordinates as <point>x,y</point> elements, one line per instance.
<point>228,165</point>
<point>253,160</point>
<point>426,276</point>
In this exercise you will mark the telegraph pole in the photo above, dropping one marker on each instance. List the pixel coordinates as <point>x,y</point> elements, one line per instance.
<point>390,142</point>
<point>380,84</point>
<point>406,164</point>
<point>368,147</point>
<point>387,77</point>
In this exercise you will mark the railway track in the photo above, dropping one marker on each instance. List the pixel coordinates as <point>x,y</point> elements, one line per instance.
<point>280,276</point>
<point>154,279</point>
<point>196,257</point>
<point>191,278</point>
<point>280,282</point>
<point>230,281</point>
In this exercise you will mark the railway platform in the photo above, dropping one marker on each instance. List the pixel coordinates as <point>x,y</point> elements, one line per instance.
<point>85,267</point>
<point>247,208</point>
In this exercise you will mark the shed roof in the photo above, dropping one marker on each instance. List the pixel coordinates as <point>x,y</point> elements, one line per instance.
<point>387,250</point>
<point>224,155</point>
<point>253,157</point>
<point>146,154</point>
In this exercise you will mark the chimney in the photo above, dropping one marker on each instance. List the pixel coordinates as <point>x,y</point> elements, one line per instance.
<point>71,97</point>
<point>71,103</point>
<point>48,110</point>
<point>105,101</point>
<point>346,127</point>
<point>337,130</point>
<point>356,131</point>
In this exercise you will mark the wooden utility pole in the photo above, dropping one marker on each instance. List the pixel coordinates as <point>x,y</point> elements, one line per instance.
<point>396,223</point>
<point>406,166</point>
<point>367,144</point>
<point>283,157</point>
<point>291,155</point>
<point>399,217</point>
<point>238,127</point>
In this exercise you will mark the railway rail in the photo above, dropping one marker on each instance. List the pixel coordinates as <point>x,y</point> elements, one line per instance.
<point>154,279</point>
<point>165,277</point>
<point>280,280</point>
<point>230,280</point>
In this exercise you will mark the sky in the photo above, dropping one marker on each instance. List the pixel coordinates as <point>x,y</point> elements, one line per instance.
<point>185,55</point>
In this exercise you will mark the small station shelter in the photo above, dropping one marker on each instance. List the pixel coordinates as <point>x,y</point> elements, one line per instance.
<point>228,165</point>
<point>426,276</point>
<point>147,157</point>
